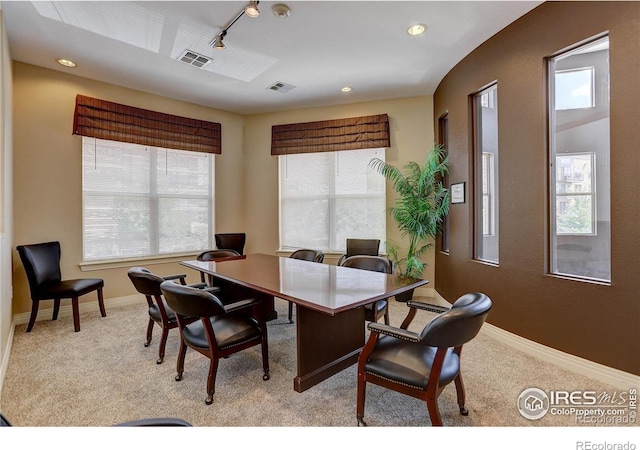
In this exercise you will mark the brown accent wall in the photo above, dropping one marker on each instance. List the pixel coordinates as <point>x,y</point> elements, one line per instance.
<point>600,323</point>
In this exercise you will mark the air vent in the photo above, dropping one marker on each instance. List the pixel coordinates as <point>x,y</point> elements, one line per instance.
<point>281,87</point>
<point>194,59</point>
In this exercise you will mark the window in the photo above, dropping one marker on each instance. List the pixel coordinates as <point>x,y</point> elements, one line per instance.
<point>485,126</point>
<point>575,211</point>
<point>579,175</point>
<point>144,201</point>
<point>328,197</point>
<point>574,88</point>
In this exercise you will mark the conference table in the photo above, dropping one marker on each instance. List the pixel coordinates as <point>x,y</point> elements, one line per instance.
<point>330,323</point>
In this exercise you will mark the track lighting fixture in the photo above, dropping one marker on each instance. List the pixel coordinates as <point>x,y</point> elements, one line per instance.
<point>251,9</point>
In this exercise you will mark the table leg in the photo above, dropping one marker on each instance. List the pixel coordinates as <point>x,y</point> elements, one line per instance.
<point>326,344</point>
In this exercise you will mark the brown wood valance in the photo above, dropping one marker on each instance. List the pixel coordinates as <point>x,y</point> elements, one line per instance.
<point>352,133</point>
<point>107,120</point>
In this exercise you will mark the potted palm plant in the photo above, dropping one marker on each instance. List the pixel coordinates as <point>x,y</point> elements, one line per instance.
<point>419,210</point>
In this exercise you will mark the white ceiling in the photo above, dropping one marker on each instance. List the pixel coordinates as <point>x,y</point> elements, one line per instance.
<point>321,47</point>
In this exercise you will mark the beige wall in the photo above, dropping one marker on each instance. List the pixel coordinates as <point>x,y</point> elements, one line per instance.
<point>6,202</point>
<point>411,129</point>
<point>48,176</point>
<point>590,320</point>
<point>48,173</point>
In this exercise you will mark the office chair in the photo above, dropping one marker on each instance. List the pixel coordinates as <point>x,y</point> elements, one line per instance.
<point>360,247</point>
<point>211,255</point>
<point>42,264</point>
<point>374,311</point>
<point>422,364</point>
<point>213,329</point>
<point>305,255</point>
<point>152,422</point>
<point>231,241</point>
<point>148,284</point>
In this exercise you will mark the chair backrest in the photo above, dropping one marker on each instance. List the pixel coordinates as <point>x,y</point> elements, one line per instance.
<point>232,241</point>
<point>191,302</point>
<point>210,255</point>
<point>308,255</point>
<point>41,263</point>
<point>144,281</point>
<point>363,247</point>
<point>459,324</point>
<point>368,262</point>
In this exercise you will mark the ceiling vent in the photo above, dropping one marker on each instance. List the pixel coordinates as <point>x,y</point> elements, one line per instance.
<point>281,87</point>
<point>194,59</point>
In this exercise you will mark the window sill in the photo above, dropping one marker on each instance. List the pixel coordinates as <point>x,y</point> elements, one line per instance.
<point>88,266</point>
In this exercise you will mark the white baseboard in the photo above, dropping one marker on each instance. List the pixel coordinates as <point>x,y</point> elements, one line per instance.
<point>605,374</point>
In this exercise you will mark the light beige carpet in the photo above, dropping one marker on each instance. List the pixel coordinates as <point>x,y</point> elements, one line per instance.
<point>103,375</point>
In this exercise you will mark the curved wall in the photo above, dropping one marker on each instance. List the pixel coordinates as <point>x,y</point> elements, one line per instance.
<point>597,322</point>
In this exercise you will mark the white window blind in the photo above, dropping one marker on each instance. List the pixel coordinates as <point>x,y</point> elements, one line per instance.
<point>144,201</point>
<point>328,197</point>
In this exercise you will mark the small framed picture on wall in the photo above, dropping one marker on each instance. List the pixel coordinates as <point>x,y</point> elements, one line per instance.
<point>457,192</point>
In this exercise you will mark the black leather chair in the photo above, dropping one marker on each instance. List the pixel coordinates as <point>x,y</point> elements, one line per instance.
<point>306,255</point>
<point>152,422</point>
<point>211,255</point>
<point>380,308</point>
<point>215,330</point>
<point>42,265</point>
<point>369,247</point>
<point>422,364</point>
<point>231,241</point>
<point>148,284</point>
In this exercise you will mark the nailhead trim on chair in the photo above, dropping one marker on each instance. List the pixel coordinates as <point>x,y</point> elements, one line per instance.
<point>396,381</point>
<point>235,345</point>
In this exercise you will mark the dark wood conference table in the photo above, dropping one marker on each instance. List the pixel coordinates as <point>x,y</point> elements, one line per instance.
<point>330,324</point>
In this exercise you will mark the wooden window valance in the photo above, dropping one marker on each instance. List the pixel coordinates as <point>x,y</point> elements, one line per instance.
<point>111,121</point>
<point>331,135</point>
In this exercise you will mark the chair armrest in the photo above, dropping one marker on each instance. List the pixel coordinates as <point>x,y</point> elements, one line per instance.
<point>211,289</point>
<point>427,306</point>
<point>341,259</point>
<point>399,333</point>
<point>232,307</point>
<point>180,277</point>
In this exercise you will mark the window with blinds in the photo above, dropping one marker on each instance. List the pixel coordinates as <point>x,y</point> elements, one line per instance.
<point>141,201</point>
<point>328,197</point>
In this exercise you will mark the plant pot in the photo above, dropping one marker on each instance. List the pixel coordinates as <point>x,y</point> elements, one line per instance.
<point>404,296</point>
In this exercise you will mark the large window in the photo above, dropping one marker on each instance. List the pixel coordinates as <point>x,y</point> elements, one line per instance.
<point>328,197</point>
<point>144,201</point>
<point>485,127</point>
<point>579,162</point>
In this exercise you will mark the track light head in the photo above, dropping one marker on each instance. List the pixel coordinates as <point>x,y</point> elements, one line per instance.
<point>217,43</point>
<point>251,9</point>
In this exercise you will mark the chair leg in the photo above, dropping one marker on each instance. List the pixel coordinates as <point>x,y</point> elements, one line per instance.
<point>76,314</point>
<point>163,343</point>
<point>56,309</point>
<point>362,386</point>
<point>211,380</point>
<point>149,332</point>
<point>434,412</point>
<point>103,312</point>
<point>461,395</point>
<point>34,313</point>
<point>180,363</point>
<point>290,312</point>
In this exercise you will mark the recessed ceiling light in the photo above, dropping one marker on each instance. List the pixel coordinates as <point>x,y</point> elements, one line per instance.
<point>66,62</point>
<point>346,89</point>
<point>417,29</point>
